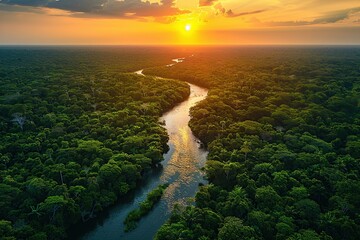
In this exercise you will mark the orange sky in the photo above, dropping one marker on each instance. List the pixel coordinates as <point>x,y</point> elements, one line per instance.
<point>163,22</point>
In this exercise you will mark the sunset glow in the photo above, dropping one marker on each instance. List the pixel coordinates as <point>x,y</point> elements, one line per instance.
<point>217,22</point>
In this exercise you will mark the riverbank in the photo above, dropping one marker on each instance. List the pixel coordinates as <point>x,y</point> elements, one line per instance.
<point>181,169</point>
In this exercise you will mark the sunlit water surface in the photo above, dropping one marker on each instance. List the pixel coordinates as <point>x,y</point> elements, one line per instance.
<point>181,169</point>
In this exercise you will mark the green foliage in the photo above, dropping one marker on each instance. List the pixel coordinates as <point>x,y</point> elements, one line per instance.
<point>282,129</point>
<point>76,133</point>
<point>145,207</point>
<point>233,229</point>
<point>192,223</point>
<point>281,126</point>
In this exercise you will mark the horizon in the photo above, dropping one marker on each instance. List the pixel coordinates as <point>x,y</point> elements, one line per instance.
<point>181,45</point>
<point>181,22</point>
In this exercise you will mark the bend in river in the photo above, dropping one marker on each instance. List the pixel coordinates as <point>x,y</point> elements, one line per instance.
<point>181,169</point>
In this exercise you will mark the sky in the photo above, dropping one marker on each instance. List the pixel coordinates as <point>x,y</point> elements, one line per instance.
<point>178,22</point>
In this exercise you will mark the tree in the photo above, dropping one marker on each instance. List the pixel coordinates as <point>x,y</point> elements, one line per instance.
<point>38,188</point>
<point>305,235</point>
<point>307,210</point>
<point>110,174</point>
<point>6,230</point>
<point>170,232</point>
<point>246,148</point>
<point>237,203</point>
<point>263,223</point>
<point>267,198</point>
<point>233,229</point>
<point>52,205</point>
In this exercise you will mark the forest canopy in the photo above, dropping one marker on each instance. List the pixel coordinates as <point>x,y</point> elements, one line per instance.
<point>77,133</point>
<point>283,132</point>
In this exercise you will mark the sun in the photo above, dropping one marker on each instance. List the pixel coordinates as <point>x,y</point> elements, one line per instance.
<point>187,27</point>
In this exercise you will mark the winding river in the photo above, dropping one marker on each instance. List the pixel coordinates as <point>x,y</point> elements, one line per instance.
<point>181,169</point>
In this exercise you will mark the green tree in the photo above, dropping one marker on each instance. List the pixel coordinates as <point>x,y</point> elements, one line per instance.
<point>233,229</point>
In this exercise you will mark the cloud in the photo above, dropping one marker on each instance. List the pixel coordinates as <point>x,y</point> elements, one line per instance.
<point>206,3</point>
<point>220,9</point>
<point>229,13</point>
<point>331,17</point>
<point>337,16</point>
<point>16,8</point>
<point>106,8</point>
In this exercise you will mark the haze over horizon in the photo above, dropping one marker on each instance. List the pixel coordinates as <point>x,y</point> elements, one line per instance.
<point>171,22</point>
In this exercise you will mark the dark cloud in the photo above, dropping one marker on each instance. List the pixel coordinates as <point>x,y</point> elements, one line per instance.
<point>34,3</point>
<point>337,16</point>
<point>230,13</point>
<point>106,8</point>
<point>16,8</point>
<point>332,17</point>
<point>77,5</point>
<point>220,9</point>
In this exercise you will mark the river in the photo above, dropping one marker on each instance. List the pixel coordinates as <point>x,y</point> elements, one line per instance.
<point>181,169</point>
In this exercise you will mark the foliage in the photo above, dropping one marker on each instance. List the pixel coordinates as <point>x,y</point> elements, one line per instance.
<point>76,133</point>
<point>145,207</point>
<point>282,128</point>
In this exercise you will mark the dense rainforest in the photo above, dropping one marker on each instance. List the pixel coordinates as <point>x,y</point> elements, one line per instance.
<point>77,133</point>
<point>282,126</point>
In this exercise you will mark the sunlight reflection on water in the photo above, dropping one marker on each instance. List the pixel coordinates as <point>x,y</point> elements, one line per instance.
<point>181,169</point>
<point>184,162</point>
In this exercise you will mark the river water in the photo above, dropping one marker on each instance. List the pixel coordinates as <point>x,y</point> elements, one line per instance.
<point>181,169</point>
